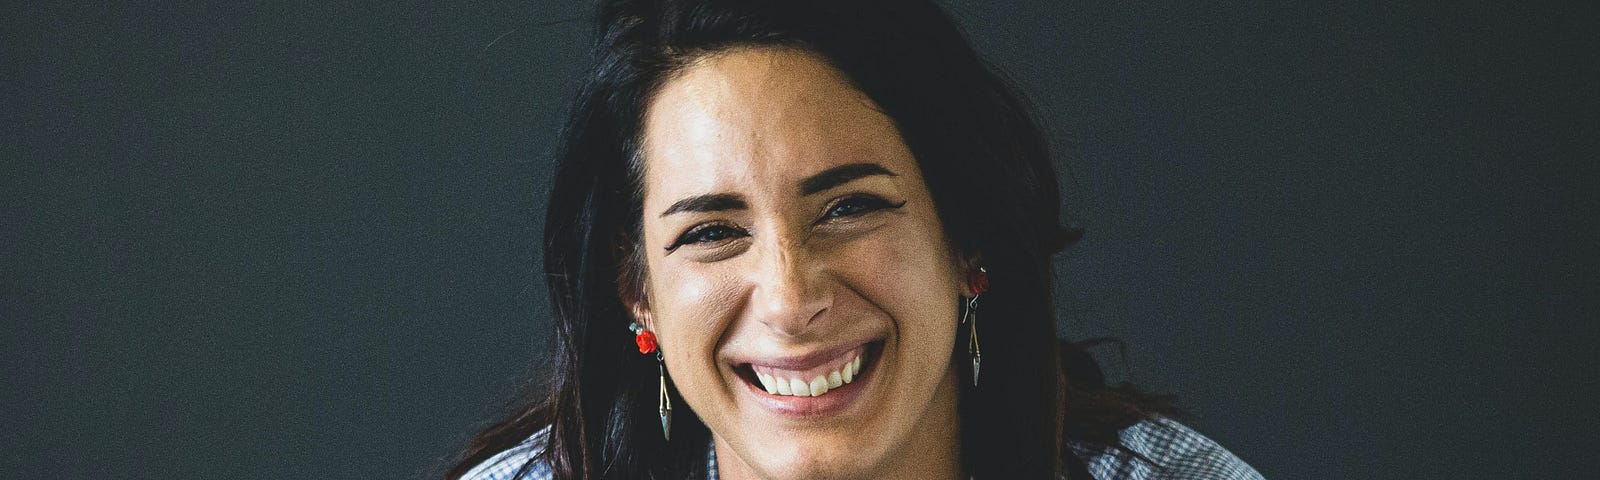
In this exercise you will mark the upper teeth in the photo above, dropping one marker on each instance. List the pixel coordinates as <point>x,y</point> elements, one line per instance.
<point>778,383</point>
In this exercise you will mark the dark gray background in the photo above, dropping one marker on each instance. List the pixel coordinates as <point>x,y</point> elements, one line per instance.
<point>299,240</point>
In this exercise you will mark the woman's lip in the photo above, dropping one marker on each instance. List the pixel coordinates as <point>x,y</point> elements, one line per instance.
<point>801,362</point>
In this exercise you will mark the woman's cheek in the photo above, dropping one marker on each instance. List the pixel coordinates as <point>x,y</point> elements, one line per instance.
<point>898,258</point>
<point>692,307</point>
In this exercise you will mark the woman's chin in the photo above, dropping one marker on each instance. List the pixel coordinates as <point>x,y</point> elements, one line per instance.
<point>828,457</point>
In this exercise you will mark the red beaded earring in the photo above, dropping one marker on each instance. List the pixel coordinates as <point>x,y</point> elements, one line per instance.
<point>978,281</point>
<point>647,344</point>
<point>646,340</point>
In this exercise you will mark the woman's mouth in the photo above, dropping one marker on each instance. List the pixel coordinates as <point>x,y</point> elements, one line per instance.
<point>811,385</point>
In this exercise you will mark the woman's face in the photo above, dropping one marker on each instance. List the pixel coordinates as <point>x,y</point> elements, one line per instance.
<point>789,235</point>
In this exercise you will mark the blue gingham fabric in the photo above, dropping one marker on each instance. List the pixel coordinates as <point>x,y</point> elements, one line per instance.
<point>1175,452</point>
<point>508,464</point>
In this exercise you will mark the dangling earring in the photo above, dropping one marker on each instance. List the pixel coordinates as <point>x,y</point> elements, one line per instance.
<point>664,404</point>
<point>647,344</point>
<point>978,281</point>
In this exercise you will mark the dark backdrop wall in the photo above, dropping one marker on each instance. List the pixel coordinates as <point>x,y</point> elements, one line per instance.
<point>299,240</point>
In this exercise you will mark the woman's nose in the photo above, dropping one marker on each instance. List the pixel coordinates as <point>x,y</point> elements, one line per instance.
<point>789,295</point>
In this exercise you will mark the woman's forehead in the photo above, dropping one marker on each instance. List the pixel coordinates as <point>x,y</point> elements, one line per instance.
<point>760,115</point>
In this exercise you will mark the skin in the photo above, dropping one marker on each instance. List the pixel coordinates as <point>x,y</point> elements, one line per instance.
<point>782,273</point>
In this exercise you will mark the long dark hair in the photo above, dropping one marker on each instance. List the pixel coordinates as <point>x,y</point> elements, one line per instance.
<point>993,183</point>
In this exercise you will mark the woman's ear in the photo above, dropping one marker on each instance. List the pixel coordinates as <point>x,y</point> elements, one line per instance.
<point>631,290</point>
<point>641,313</point>
<point>630,280</point>
<point>967,265</point>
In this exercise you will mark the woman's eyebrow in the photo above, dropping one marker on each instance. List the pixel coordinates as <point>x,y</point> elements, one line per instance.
<point>840,175</point>
<point>714,202</point>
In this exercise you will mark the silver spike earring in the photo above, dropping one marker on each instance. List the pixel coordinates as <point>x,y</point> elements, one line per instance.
<point>664,404</point>
<point>978,281</point>
<point>647,344</point>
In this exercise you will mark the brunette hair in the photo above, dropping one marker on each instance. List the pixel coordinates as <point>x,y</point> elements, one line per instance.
<point>993,182</point>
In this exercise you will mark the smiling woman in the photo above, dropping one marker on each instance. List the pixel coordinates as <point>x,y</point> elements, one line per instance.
<point>796,210</point>
<point>816,261</point>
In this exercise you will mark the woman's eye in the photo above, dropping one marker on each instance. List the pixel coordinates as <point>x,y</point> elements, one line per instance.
<point>706,235</point>
<point>857,205</point>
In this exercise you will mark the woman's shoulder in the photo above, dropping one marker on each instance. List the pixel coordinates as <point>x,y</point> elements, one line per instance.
<point>518,462</point>
<point>1174,452</point>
